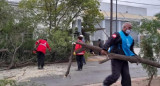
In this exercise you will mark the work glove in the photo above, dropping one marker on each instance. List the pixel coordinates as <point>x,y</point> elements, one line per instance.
<point>34,51</point>
<point>74,53</point>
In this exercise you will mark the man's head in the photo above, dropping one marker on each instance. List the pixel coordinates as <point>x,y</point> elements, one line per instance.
<point>80,37</point>
<point>127,26</point>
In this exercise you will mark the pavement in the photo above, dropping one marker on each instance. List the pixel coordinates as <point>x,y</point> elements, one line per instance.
<point>92,74</point>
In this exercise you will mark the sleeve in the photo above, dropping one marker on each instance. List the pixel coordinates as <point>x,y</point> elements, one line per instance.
<point>111,41</point>
<point>48,46</point>
<point>37,42</point>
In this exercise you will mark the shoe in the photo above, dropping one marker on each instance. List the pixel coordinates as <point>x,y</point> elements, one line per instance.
<point>78,70</point>
<point>39,67</point>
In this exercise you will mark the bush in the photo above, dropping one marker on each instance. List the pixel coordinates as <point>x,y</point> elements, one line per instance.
<point>60,41</point>
<point>7,83</point>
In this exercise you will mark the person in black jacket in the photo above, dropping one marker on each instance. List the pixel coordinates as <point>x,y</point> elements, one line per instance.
<point>119,43</point>
<point>100,45</point>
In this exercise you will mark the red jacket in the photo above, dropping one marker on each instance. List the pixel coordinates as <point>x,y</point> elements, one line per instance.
<point>42,46</point>
<point>78,46</point>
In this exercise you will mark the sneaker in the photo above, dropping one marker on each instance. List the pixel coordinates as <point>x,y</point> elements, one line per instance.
<point>39,67</point>
<point>78,70</point>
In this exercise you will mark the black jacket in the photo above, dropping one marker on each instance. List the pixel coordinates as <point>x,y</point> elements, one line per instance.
<point>116,41</point>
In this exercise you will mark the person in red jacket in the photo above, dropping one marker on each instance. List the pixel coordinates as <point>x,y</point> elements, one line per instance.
<point>41,45</point>
<point>79,56</point>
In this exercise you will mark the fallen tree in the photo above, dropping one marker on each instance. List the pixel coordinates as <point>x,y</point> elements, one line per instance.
<point>132,59</point>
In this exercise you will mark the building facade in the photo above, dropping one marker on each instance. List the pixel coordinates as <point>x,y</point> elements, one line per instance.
<point>124,14</point>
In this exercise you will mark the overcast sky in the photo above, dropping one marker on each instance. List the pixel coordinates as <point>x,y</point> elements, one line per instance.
<point>153,6</point>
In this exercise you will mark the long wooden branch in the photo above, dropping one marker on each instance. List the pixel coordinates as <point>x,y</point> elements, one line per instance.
<point>70,61</point>
<point>133,59</point>
<point>3,50</point>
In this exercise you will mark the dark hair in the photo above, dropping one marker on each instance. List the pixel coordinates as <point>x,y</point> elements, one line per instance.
<point>80,38</point>
<point>99,39</point>
<point>45,39</point>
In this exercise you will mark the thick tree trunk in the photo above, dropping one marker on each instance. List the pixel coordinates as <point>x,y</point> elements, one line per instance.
<point>132,59</point>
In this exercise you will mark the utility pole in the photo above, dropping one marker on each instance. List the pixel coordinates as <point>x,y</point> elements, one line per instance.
<point>116,15</point>
<point>111,16</point>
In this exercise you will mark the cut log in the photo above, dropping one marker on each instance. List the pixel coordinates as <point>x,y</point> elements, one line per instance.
<point>132,59</point>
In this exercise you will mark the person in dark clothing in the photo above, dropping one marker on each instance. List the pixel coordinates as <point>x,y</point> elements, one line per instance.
<point>100,45</point>
<point>119,43</point>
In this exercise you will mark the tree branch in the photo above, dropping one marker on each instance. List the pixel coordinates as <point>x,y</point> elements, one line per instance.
<point>70,61</point>
<point>133,59</point>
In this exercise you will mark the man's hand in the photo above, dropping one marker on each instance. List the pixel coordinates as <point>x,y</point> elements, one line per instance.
<point>103,52</point>
<point>73,43</point>
<point>50,50</point>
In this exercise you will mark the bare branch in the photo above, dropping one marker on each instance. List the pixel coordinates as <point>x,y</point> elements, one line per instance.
<point>133,59</point>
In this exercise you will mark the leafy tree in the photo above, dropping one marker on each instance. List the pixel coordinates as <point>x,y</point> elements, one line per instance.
<point>16,26</point>
<point>150,44</point>
<point>59,14</point>
<point>61,42</point>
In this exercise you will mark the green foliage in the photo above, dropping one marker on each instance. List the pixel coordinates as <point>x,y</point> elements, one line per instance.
<point>28,44</point>
<point>61,42</point>
<point>15,25</point>
<point>157,16</point>
<point>19,26</point>
<point>7,83</point>
<point>5,16</point>
<point>150,43</point>
<point>59,14</point>
<point>86,55</point>
<point>148,54</point>
<point>92,15</point>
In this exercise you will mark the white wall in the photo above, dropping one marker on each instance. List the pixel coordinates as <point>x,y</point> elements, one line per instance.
<point>124,9</point>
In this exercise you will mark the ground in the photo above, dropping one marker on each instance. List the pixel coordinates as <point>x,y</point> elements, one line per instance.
<point>92,74</point>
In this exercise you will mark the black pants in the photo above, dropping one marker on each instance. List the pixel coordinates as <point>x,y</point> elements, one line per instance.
<point>40,57</point>
<point>79,59</point>
<point>119,67</point>
<point>83,60</point>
